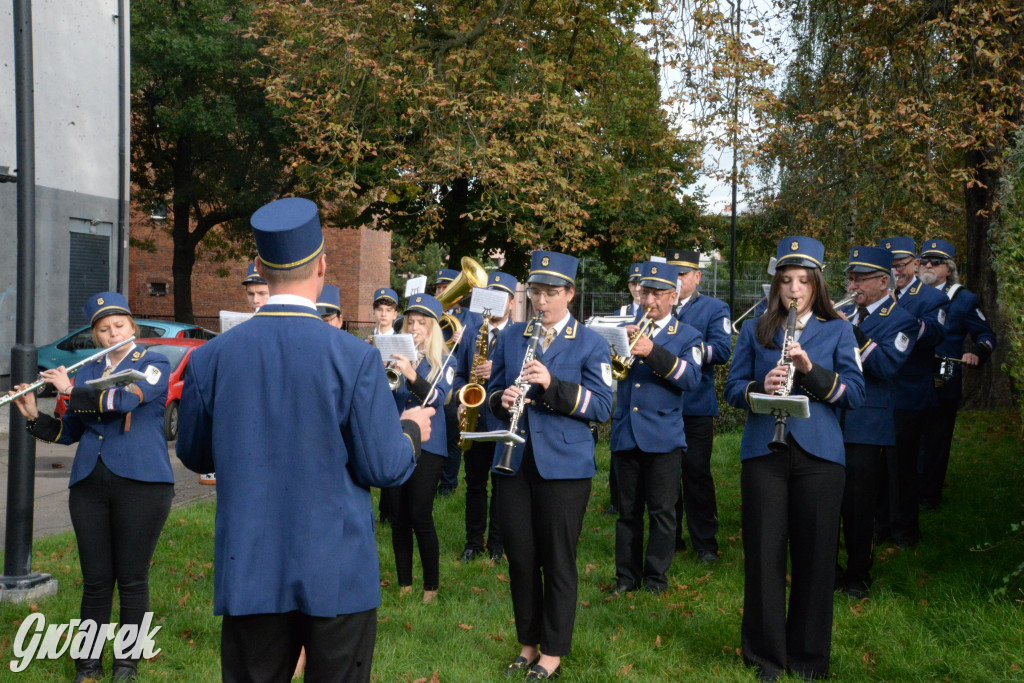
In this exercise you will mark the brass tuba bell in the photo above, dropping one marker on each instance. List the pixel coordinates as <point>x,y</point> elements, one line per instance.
<point>472,275</point>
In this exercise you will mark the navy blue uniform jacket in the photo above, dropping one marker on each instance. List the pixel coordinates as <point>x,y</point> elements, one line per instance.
<point>835,381</point>
<point>886,339</point>
<point>710,317</point>
<point>298,422</point>
<point>411,395</point>
<point>580,391</point>
<point>649,410</point>
<point>915,385</point>
<point>964,317</point>
<point>123,425</point>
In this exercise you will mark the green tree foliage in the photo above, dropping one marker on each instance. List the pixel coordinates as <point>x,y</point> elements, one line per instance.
<point>1008,247</point>
<point>205,141</point>
<point>497,125</point>
<point>896,118</point>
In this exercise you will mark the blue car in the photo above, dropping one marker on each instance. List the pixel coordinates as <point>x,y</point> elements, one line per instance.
<point>79,344</point>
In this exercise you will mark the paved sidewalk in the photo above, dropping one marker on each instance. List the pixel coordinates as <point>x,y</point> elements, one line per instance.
<point>53,469</point>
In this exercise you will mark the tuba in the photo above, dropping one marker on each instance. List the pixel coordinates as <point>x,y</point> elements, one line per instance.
<point>472,275</point>
<point>622,364</point>
<point>472,395</point>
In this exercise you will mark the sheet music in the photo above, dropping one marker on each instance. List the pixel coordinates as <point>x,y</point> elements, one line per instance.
<point>229,319</point>
<point>617,338</point>
<point>389,344</point>
<point>658,259</point>
<point>415,285</point>
<point>118,379</point>
<point>492,300</point>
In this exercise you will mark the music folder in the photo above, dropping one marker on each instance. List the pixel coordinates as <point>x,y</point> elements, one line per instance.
<point>118,379</point>
<point>770,404</point>
<point>502,435</point>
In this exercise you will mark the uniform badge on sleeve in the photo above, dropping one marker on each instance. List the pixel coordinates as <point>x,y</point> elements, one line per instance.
<point>606,373</point>
<point>153,375</point>
<point>980,314</point>
<point>696,355</point>
<point>902,342</point>
<point>942,317</point>
<point>727,325</point>
<point>449,374</point>
<point>856,355</point>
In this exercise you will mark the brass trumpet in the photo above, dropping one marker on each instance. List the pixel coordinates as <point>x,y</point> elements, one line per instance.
<point>622,364</point>
<point>394,377</point>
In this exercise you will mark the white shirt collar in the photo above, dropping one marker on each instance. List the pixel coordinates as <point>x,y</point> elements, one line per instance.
<point>909,285</point>
<point>106,358</point>
<point>378,332</point>
<point>875,306</point>
<point>289,300</point>
<point>659,325</point>
<point>500,326</point>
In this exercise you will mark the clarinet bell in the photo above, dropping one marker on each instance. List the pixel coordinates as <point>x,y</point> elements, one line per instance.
<point>778,443</point>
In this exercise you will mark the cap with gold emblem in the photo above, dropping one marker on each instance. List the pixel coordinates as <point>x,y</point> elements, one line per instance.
<point>869,260</point>
<point>502,281</point>
<point>937,249</point>
<point>634,272</point>
<point>105,303</point>
<point>799,251</point>
<point>385,295</point>
<point>899,247</point>
<point>685,260</point>
<point>425,304</point>
<point>445,275</point>
<point>553,268</point>
<point>287,233</point>
<point>252,277</point>
<point>658,275</point>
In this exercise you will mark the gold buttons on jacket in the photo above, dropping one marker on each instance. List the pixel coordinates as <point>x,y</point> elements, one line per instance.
<point>637,385</point>
<point>636,410</point>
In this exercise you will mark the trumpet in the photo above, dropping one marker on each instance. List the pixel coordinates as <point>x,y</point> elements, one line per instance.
<point>505,463</point>
<point>845,302</point>
<point>393,376</point>
<point>778,442</point>
<point>70,370</point>
<point>622,364</point>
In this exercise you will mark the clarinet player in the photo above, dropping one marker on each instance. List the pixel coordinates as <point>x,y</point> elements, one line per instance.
<point>792,495</point>
<point>544,491</point>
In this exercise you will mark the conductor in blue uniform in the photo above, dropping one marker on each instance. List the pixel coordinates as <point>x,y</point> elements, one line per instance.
<point>915,392</point>
<point>791,495</point>
<point>885,335</point>
<point>647,433</point>
<point>710,317</point>
<point>541,505</point>
<point>938,269</point>
<point>295,553</point>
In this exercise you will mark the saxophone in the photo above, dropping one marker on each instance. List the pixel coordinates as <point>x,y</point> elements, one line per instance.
<point>472,395</point>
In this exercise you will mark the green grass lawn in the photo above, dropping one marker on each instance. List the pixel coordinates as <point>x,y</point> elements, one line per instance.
<point>930,616</point>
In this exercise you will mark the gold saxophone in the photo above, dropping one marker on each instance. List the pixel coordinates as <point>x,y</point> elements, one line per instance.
<point>472,395</point>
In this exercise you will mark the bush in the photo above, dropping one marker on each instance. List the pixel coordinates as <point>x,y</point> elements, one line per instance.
<point>1007,243</point>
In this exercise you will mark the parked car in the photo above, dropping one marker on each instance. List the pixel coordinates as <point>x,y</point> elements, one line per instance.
<point>177,352</point>
<point>79,344</point>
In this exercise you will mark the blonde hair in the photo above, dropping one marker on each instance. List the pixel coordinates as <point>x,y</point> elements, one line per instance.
<point>135,327</point>
<point>433,346</point>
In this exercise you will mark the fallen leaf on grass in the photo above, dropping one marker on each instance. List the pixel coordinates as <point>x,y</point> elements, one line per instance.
<point>585,603</point>
<point>187,633</point>
<point>495,637</point>
<point>502,577</point>
<point>476,590</point>
<point>408,626</point>
<point>868,658</point>
<point>626,669</point>
<point>183,599</point>
<point>465,627</point>
<point>923,603</point>
<point>434,678</point>
<point>33,607</point>
<point>657,641</point>
<point>703,579</point>
<point>618,630</point>
<point>158,655</point>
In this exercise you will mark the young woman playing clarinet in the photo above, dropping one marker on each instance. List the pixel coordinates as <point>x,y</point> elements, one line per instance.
<point>792,492</point>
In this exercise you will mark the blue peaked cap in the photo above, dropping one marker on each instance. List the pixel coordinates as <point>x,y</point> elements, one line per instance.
<point>899,247</point>
<point>502,281</point>
<point>658,275</point>
<point>445,275</point>
<point>252,277</point>
<point>329,300</point>
<point>385,293</point>
<point>425,304</point>
<point>800,251</point>
<point>938,249</point>
<point>869,260</point>
<point>634,271</point>
<point>105,303</point>
<point>553,268</point>
<point>287,233</point>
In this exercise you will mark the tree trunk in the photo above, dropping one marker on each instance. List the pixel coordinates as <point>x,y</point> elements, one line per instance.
<point>181,265</point>
<point>987,386</point>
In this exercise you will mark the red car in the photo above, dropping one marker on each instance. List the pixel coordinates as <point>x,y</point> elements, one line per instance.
<point>177,352</point>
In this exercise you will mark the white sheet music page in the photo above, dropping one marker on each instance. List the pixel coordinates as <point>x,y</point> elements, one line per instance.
<point>229,319</point>
<point>617,338</point>
<point>415,285</point>
<point>389,344</point>
<point>489,301</point>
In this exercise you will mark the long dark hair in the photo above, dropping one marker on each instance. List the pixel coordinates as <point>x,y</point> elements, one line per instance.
<point>775,316</point>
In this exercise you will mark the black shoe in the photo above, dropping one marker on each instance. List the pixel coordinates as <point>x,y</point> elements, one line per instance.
<point>857,590</point>
<point>470,554</point>
<point>707,556</point>
<point>518,664</point>
<point>497,555</point>
<point>446,491</point>
<point>654,590</point>
<point>88,670</point>
<point>907,542</point>
<point>621,588</point>
<point>539,673</point>
<point>125,670</point>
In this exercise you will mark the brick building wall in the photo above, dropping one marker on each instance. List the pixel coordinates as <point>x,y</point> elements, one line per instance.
<point>357,262</point>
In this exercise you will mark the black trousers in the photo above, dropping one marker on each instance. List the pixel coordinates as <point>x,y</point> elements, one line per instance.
<point>478,471</point>
<point>264,648</point>
<point>938,439</point>
<point>414,513</point>
<point>697,497</point>
<point>863,463</point>
<point>789,499</point>
<point>541,521</point>
<point>651,481</point>
<point>117,523</point>
<point>613,483</point>
<point>910,427</point>
<point>450,473</point>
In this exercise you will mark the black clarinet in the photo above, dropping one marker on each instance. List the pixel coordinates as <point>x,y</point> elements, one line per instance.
<point>505,463</point>
<point>778,443</point>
